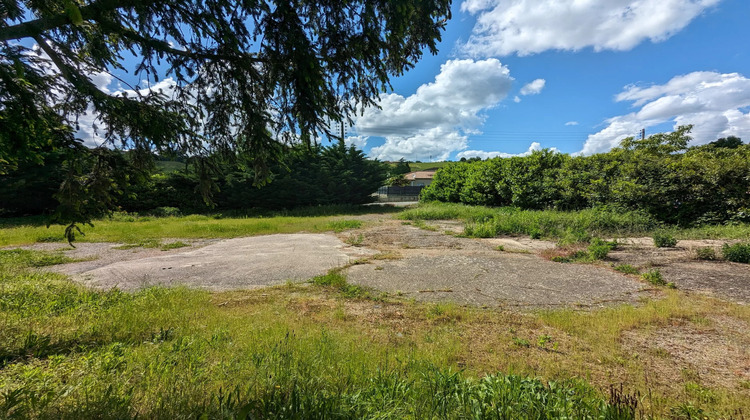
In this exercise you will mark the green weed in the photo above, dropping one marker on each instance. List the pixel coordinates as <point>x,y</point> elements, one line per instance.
<point>736,253</point>
<point>336,280</point>
<point>705,253</point>
<point>626,269</point>
<point>655,277</point>
<point>174,245</point>
<point>355,240</point>
<point>664,240</point>
<point>342,225</point>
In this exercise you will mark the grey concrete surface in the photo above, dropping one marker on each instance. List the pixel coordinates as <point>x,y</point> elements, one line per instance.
<point>497,279</point>
<point>240,263</point>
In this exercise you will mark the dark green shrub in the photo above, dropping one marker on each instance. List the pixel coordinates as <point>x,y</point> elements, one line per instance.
<point>664,240</point>
<point>736,253</point>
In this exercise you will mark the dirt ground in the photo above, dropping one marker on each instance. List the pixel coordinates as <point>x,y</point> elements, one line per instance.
<point>723,279</point>
<point>715,353</point>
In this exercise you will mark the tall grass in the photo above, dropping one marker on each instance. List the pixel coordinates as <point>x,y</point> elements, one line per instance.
<point>312,352</point>
<point>487,222</point>
<point>67,352</point>
<point>130,228</point>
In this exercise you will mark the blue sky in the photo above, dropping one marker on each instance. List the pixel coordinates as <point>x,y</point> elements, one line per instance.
<point>574,75</point>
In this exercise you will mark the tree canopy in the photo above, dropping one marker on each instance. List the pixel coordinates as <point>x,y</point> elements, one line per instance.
<point>248,76</point>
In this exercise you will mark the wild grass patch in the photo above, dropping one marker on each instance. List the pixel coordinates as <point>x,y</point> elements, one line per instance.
<point>596,250</point>
<point>134,230</point>
<point>566,226</point>
<point>626,269</point>
<point>314,351</point>
<point>342,225</point>
<point>30,258</point>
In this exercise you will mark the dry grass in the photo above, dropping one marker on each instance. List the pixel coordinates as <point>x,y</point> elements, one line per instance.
<point>599,346</point>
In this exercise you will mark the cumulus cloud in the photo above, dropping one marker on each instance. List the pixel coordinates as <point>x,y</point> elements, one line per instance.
<point>571,123</point>
<point>526,27</point>
<point>487,155</point>
<point>436,120</point>
<point>716,104</point>
<point>534,87</point>
<point>357,141</point>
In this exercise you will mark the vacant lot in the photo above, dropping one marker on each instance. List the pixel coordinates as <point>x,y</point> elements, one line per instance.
<point>408,322</point>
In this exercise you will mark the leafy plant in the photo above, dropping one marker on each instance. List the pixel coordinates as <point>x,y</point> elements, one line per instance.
<point>335,279</point>
<point>664,240</point>
<point>521,342</point>
<point>626,269</point>
<point>654,277</point>
<point>705,253</point>
<point>598,252</point>
<point>543,340</point>
<point>739,252</point>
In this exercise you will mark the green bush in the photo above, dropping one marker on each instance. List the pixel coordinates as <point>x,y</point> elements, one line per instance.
<point>736,253</point>
<point>660,176</point>
<point>654,277</point>
<point>705,253</point>
<point>664,240</point>
<point>598,252</point>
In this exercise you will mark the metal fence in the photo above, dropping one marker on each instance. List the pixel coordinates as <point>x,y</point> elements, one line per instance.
<point>399,193</point>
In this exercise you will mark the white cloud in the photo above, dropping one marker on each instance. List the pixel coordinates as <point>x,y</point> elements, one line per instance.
<point>716,104</point>
<point>436,120</point>
<point>525,27</point>
<point>534,87</point>
<point>485,155</point>
<point>571,123</point>
<point>516,99</point>
<point>357,141</point>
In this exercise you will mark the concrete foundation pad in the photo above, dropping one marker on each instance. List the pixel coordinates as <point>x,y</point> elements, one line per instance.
<point>241,263</point>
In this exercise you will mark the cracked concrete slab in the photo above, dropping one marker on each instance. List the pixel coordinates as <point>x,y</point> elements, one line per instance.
<point>240,263</point>
<point>497,279</point>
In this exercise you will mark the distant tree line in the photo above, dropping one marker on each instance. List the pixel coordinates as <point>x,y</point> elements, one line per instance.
<point>305,176</point>
<point>660,175</point>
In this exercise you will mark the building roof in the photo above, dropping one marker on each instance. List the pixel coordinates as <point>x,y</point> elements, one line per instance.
<point>428,174</point>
